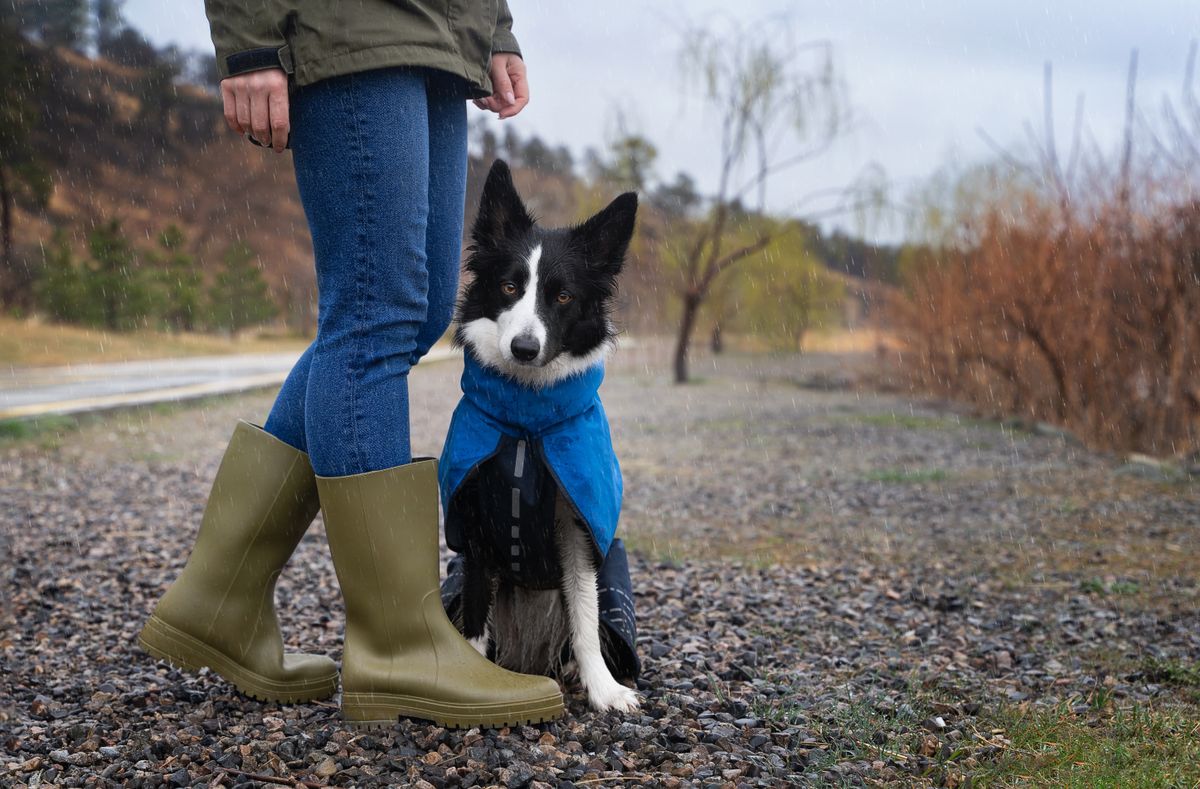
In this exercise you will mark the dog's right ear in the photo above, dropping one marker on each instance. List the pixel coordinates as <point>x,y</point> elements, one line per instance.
<point>502,216</point>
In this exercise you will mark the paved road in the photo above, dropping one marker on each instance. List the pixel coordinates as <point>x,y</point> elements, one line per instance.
<point>37,391</point>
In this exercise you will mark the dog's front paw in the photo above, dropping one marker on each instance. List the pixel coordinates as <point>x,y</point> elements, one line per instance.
<point>612,695</point>
<point>480,643</point>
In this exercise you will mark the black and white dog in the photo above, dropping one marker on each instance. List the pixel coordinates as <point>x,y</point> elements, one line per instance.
<point>530,484</point>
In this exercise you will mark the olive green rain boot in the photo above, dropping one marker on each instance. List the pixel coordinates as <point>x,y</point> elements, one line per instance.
<point>402,656</point>
<point>220,612</point>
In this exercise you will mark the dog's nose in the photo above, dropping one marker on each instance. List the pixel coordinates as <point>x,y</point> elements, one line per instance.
<point>525,348</point>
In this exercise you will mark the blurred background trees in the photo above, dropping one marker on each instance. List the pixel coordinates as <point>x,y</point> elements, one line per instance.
<point>1058,288</point>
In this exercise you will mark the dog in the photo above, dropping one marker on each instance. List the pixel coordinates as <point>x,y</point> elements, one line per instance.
<point>530,484</point>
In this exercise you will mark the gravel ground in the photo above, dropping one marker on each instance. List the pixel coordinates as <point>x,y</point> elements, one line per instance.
<point>835,585</point>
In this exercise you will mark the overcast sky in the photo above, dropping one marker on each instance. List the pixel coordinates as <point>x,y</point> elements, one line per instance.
<point>923,77</point>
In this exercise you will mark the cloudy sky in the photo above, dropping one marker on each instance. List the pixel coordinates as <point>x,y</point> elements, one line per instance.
<point>923,77</point>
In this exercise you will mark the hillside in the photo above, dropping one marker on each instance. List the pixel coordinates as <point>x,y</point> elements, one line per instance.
<point>119,146</point>
<point>107,162</point>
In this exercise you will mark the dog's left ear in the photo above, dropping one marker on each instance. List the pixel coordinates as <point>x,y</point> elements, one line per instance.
<point>605,237</point>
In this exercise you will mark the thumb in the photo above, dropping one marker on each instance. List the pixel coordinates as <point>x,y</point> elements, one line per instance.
<point>502,86</point>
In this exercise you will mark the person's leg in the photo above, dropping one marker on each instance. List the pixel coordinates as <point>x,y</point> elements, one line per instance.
<point>361,150</point>
<point>447,195</point>
<point>447,123</point>
<point>286,420</point>
<point>361,147</point>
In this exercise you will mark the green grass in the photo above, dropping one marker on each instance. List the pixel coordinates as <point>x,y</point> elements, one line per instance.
<point>912,421</point>
<point>44,429</point>
<point>1098,587</point>
<point>1138,746</point>
<point>1171,672</point>
<point>906,476</point>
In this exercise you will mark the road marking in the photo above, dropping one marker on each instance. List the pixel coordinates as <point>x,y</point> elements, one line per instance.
<point>104,402</point>
<point>219,386</point>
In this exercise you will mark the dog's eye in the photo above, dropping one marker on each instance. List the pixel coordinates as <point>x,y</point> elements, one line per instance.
<point>564,297</point>
<point>508,288</point>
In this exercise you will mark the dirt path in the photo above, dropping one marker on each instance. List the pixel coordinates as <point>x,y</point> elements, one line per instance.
<point>835,585</point>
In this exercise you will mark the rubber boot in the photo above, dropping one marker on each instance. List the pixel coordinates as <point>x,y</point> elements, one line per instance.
<point>403,657</point>
<point>220,612</point>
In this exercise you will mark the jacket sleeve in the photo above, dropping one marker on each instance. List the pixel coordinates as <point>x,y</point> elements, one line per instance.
<point>248,35</point>
<point>503,39</point>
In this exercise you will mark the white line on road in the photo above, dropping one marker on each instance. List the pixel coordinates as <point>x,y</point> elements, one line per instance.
<point>31,392</point>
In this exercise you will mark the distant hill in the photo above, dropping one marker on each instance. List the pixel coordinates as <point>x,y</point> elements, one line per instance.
<point>107,161</point>
<point>121,146</point>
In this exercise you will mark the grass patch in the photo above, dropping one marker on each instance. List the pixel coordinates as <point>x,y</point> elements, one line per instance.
<point>656,549</point>
<point>1098,587</point>
<point>32,343</point>
<point>45,428</point>
<point>1171,672</point>
<point>1135,747</point>
<point>910,421</point>
<point>907,476</point>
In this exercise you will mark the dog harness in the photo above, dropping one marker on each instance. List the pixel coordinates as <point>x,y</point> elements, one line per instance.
<point>511,451</point>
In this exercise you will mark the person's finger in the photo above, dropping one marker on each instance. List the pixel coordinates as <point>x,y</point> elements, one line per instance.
<point>512,109</point>
<point>480,103</point>
<point>230,107</point>
<point>242,100</point>
<point>260,115</point>
<point>516,76</point>
<point>502,89</point>
<point>515,68</point>
<point>277,104</point>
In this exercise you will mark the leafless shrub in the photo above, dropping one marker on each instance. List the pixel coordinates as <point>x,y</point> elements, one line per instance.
<point>1070,293</point>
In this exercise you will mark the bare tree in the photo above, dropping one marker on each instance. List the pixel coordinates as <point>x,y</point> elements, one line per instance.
<point>778,104</point>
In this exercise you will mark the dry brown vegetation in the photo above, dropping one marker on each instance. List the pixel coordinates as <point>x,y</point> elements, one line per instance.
<point>194,174</point>
<point>1070,294</point>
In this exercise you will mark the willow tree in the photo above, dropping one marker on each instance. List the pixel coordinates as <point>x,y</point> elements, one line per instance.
<point>777,104</point>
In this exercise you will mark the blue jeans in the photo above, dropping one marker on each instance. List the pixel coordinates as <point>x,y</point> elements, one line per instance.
<point>381,162</point>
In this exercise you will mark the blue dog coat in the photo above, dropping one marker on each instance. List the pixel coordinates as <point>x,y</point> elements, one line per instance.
<point>562,424</point>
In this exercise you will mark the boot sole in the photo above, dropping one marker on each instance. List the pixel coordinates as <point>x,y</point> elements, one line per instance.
<point>190,654</point>
<point>380,710</point>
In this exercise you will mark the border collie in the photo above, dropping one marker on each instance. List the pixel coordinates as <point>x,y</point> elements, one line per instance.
<point>530,485</point>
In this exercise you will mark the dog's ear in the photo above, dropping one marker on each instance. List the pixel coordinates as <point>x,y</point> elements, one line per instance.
<point>502,215</point>
<point>605,237</point>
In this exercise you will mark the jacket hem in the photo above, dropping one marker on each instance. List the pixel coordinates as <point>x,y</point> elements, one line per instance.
<point>387,56</point>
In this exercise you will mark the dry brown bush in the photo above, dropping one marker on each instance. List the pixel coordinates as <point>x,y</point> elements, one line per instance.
<point>1071,295</point>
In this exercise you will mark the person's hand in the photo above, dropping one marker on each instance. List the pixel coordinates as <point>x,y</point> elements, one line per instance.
<point>510,89</point>
<point>256,103</point>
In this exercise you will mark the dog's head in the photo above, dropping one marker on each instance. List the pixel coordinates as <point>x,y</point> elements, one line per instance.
<point>537,307</point>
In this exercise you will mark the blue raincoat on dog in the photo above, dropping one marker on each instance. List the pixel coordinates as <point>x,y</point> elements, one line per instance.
<point>564,423</point>
<point>511,449</point>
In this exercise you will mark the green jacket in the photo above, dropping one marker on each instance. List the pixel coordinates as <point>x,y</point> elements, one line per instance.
<point>315,39</point>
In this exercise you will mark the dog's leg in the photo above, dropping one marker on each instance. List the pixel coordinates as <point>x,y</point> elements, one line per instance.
<point>476,604</point>
<point>583,612</point>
